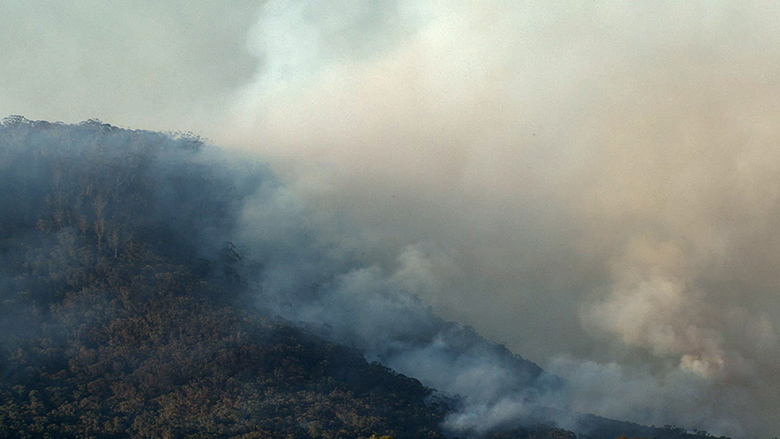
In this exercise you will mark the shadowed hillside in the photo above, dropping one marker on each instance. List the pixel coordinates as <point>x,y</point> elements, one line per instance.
<point>127,311</point>
<point>115,323</point>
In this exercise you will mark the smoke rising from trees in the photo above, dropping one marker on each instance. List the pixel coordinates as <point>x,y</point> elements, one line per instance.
<point>594,185</point>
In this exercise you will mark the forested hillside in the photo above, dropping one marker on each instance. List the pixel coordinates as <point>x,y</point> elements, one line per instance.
<point>116,325</point>
<point>125,310</point>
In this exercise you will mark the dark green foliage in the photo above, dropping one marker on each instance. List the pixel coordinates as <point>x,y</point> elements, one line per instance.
<point>182,367</point>
<point>123,310</point>
<point>596,427</point>
<point>116,325</point>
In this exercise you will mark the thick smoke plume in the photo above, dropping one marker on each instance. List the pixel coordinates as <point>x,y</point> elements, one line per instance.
<point>593,184</point>
<point>607,168</point>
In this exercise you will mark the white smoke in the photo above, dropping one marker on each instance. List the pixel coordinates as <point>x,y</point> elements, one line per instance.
<point>599,165</point>
<point>594,184</point>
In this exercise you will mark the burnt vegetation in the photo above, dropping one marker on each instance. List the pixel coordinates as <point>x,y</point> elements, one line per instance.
<point>124,311</point>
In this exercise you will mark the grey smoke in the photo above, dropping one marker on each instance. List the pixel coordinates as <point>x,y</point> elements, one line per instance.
<point>600,173</point>
<point>592,184</point>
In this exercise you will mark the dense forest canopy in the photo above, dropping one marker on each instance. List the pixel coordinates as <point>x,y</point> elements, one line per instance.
<point>118,311</point>
<point>130,310</point>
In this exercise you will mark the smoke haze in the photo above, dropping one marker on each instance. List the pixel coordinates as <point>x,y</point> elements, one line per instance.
<point>593,185</point>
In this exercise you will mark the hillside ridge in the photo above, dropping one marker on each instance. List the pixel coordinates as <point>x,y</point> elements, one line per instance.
<point>127,310</point>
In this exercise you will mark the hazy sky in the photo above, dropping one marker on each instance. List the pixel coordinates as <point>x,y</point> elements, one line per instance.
<point>594,184</point>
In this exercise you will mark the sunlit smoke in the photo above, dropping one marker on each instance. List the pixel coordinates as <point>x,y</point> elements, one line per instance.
<point>604,167</point>
<point>593,184</point>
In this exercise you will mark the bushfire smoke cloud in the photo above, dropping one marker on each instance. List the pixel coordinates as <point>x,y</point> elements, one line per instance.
<point>593,184</point>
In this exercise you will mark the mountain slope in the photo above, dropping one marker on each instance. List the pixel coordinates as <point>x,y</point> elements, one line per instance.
<point>181,367</point>
<point>115,326</point>
<point>127,310</point>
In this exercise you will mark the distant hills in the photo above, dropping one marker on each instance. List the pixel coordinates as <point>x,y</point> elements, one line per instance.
<point>127,312</point>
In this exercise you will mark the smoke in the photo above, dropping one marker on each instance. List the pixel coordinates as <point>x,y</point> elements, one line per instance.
<point>329,286</point>
<point>596,167</point>
<point>592,184</point>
